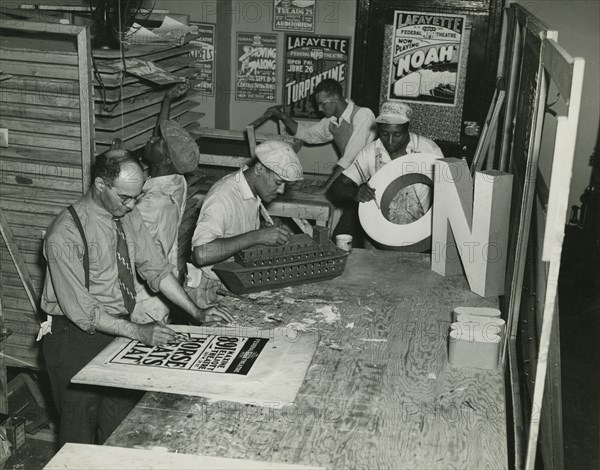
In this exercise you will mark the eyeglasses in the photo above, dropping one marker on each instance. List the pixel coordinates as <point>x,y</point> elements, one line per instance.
<point>125,200</point>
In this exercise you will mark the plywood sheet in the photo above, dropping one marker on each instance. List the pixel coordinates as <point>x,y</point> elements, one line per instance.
<point>243,365</point>
<point>76,456</point>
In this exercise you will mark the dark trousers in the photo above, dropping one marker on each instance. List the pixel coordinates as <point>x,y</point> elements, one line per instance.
<point>349,224</point>
<point>88,414</point>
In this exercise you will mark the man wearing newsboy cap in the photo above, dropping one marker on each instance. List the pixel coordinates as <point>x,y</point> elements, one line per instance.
<point>395,141</point>
<point>230,218</point>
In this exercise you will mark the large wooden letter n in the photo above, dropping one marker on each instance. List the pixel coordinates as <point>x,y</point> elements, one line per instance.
<point>471,225</point>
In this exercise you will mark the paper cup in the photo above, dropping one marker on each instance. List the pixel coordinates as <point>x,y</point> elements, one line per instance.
<point>344,242</point>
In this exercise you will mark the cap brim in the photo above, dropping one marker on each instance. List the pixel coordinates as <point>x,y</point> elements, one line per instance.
<point>391,119</point>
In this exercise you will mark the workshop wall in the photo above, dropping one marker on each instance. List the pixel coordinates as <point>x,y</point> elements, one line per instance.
<point>334,17</point>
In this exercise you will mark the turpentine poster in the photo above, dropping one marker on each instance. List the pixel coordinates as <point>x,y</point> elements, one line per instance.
<point>308,60</point>
<point>294,15</point>
<point>425,55</point>
<point>257,65</point>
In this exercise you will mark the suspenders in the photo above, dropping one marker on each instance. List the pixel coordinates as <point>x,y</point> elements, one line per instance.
<point>86,254</point>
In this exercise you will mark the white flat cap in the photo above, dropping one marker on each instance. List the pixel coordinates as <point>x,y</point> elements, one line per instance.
<point>394,112</point>
<point>280,157</point>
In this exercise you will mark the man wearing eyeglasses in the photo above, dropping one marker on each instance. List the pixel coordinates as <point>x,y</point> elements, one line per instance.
<point>91,251</point>
<point>349,126</point>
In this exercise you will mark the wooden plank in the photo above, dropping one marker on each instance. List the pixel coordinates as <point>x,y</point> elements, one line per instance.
<point>45,140</point>
<point>73,456</point>
<point>41,112</point>
<point>26,207</point>
<point>140,140</point>
<point>40,169</point>
<point>38,125</point>
<point>19,263</point>
<point>133,104</point>
<point>147,115</point>
<point>39,98</point>
<point>35,271</point>
<point>41,27</point>
<point>34,194</point>
<point>38,70</point>
<point>559,64</point>
<point>26,155</point>
<point>42,221</point>
<point>45,85</point>
<point>49,57</point>
<point>84,50</point>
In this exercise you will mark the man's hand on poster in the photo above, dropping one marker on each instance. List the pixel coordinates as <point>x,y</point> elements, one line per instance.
<point>210,315</point>
<point>155,334</point>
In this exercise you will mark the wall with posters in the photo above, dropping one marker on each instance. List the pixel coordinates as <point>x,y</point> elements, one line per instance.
<point>235,17</point>
<point>200,11</point>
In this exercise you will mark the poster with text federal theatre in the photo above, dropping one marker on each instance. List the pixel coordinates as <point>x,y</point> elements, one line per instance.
<point>308,60</point>
<point>425,55</point>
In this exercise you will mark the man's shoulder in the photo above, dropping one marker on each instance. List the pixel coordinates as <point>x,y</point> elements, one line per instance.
<point>63,227</point>
<point>422,143</point>
<point>364,113</point>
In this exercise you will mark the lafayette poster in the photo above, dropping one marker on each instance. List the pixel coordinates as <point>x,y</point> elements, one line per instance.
<point>203,65</point>
<point>425,55</point>
<point>257,66</point>
<point>294,15</point>
<point>308,60</point>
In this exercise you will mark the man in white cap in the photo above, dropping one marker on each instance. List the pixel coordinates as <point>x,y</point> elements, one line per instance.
<point>229,220</point>
<point>395,141</point>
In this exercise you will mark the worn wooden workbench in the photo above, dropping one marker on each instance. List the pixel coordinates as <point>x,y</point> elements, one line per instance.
<point>379,393</point>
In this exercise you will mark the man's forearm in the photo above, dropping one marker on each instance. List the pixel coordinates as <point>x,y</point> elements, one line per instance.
<point>343,189</point>
<point>222,248</point>
<point>175,293</point>
<point>337,171</point>
<point>112,325</point>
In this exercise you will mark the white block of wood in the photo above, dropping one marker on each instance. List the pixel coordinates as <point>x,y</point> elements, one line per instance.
<point>470,225</point>
<point>473,346</point>
<point>480,311</point>
<point>78,456</point>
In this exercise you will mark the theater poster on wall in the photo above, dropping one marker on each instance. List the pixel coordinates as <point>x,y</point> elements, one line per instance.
<point>257,65</point>
<point>425,55</point>
<point>308,60</point>
<point>294,15</point>
<point>203,65</point>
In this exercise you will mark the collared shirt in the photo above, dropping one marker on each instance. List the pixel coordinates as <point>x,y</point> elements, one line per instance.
<point>161,207</point>
<point>64,288</point>
<point>364,131</point>
<point>413,201</point>
<point>230,209</point>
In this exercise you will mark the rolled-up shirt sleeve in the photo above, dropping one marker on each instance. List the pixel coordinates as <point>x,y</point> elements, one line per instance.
<point>63,250</point>
<point>211,221</point>
<point>359,170</point>
<point>314,133</point>
<point>363,132</point>
<point>149,261</point>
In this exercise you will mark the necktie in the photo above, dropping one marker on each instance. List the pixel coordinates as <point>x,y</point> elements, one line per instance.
<point>125,269</point>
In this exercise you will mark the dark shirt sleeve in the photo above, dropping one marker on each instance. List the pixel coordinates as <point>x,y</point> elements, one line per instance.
<point>149,261</point>
<point>63,249</point>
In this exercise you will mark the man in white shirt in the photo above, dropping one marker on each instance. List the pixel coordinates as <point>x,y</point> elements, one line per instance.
<point>395,141</point>
<point>229,220</point>
<point>349,126</point>
<point>170,153</point>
